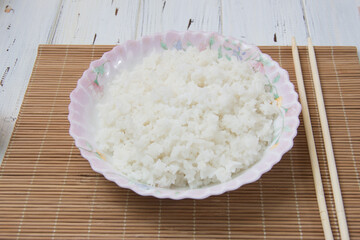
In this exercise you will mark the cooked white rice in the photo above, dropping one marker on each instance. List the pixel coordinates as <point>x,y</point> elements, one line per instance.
<point>185,118</point>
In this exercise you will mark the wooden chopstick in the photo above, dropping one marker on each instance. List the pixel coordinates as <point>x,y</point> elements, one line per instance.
<point>311,145</point>
<point>339,205</point>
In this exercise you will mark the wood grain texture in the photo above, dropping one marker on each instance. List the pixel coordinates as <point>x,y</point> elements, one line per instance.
<point>264,22</point>
<point>23,26</point>
<point>332,22</point>
<point>160,15</point>
<point>101,22</point>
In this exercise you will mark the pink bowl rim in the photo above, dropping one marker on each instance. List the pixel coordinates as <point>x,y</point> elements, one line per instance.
<point>248,176</point>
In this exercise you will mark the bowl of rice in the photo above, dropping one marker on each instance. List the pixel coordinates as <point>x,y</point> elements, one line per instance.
<point>184,114</point>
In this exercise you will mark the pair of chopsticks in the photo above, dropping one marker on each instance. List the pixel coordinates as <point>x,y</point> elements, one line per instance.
<point>339,205</point>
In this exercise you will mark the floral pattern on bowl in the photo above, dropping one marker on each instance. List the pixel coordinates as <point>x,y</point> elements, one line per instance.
<point>90,87</point>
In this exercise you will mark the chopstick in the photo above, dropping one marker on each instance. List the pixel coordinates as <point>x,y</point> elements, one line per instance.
<point>311,145</point>
<point>339,205</point>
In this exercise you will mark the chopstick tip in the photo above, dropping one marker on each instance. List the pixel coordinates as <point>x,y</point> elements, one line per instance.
<point>309,41</point>
<point>293,41</point>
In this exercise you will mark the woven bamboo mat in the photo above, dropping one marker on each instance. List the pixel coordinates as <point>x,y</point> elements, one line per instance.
<point>47,190</point>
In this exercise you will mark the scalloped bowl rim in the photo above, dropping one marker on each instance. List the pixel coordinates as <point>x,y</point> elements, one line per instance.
<point>249,175</point>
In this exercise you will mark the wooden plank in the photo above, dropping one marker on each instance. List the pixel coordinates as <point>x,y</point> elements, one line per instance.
<point>160,15</point>
<point>23,25</point>
<point>100,22</point>
<point>332,22</point>
<point>264,22</point>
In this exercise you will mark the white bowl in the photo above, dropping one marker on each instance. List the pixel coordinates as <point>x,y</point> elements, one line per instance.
<point>90,88</point>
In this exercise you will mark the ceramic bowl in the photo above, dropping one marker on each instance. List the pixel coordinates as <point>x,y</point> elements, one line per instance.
<point>90,88</point>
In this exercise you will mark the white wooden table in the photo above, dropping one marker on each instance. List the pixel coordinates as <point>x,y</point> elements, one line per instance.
<point>25,24</point>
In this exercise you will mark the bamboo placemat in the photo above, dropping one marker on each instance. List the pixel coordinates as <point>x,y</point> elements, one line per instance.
<point>47,190</point>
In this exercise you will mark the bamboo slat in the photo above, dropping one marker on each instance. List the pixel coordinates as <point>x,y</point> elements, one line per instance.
<point>47,190</point>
